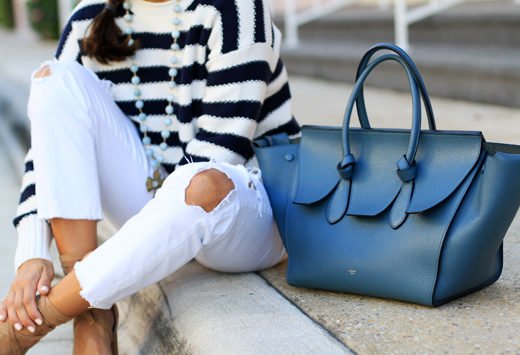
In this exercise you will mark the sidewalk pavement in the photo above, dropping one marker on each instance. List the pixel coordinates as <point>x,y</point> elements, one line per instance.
<point>198,311</point>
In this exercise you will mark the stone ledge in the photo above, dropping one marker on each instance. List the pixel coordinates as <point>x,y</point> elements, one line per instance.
<point>199,311</point>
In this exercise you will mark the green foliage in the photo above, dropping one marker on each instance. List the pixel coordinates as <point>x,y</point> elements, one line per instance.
<point>43,16</point>
<point>6,14</point>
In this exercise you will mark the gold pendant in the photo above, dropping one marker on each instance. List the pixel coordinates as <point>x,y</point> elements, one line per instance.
<point>155,182</point>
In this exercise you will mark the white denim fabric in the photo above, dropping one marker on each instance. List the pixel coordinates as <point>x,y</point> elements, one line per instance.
<point>90,163</point>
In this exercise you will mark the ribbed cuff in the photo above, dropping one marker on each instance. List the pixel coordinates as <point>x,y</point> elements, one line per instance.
<point>34,240</point>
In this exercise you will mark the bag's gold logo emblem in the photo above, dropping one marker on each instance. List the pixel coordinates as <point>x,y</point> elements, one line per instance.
<point>352,272</point>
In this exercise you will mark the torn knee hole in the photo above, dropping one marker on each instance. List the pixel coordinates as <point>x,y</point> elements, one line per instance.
<point>208,189</point>
<point>43,72</point>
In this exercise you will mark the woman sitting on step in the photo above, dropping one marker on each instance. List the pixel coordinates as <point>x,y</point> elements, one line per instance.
<point>146,118</point>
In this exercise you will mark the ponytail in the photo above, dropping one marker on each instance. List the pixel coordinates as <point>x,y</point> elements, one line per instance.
<point>105,41</point>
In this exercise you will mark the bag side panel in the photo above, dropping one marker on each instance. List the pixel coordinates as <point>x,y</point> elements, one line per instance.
<point>278,165</point>
<point>472,253</point>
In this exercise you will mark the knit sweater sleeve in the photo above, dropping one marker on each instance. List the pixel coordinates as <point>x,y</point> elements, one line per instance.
<point>34,235</point>
<point>241,74</point>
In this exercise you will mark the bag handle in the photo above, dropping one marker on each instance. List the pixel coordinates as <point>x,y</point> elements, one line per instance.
<point>360,103</point>
<point>348,159</point>
<point>406,168</point>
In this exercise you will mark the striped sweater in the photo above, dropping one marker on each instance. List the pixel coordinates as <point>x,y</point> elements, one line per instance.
<point>231,88</point>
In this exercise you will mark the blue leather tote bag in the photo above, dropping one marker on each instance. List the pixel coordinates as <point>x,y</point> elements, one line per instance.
<point>412,215</point>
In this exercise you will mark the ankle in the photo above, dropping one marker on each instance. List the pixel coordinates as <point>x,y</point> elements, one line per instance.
<point>52,317</point>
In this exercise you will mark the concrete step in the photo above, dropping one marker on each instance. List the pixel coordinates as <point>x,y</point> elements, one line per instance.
<point>199,311</point>
<point>481,74</point>
<point>494,23</point>
<point>470,52</point>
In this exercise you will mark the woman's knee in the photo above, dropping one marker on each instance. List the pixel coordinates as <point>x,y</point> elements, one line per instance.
<point>42,72</point>
<point>57,92</point>
<point>208,188</point>
<point>55,69</point>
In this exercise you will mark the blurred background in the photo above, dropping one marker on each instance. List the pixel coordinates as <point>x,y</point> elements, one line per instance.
<point>468,53</point>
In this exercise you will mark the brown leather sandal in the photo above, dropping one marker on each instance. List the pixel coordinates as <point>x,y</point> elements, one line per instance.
<point>19,342</point>
<point>103,322</point>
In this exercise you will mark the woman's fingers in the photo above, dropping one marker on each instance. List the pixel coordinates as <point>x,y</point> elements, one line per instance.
<point>21,312</point>
<point>44,283</point>
<point>12,317</point>
<point>29,301</point>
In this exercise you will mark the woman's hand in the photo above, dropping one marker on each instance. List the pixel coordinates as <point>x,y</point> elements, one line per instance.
<point>19,307</point>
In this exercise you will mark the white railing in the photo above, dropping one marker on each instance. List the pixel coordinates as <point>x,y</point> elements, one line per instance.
<point>404,17</point>
<point>295,17</point>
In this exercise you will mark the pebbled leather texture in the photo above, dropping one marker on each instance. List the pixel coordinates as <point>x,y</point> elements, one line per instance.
<point>443,160</point>
<point>427,235</point>
<point>278,164</point>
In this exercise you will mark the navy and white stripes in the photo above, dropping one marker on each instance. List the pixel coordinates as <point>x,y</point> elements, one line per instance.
<point>231,84</point>
<point>26,205</point>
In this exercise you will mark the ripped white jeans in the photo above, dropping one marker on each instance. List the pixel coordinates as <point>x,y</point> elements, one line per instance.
<point>90,164</point>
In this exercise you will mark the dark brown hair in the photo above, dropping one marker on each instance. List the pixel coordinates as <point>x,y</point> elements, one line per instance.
<point>105,41</point>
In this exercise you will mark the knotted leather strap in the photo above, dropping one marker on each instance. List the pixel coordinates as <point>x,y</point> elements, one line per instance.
<point>338,203</point>
<point>405,170</point>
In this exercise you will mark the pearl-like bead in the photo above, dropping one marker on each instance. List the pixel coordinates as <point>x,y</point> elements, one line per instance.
<point>155,184</point>
<point>156,159</point>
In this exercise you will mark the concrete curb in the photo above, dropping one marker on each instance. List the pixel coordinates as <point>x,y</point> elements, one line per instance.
<point>199,311</point>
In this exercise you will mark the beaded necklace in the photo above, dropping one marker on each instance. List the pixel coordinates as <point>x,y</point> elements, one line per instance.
<point>155,182</point>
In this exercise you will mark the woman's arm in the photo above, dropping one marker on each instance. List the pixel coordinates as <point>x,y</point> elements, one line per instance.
<point>34,270</point>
